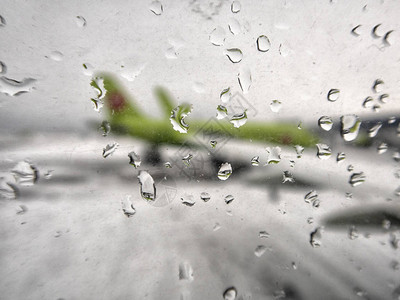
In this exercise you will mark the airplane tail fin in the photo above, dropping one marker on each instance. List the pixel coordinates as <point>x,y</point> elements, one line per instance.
<point>165,100</point>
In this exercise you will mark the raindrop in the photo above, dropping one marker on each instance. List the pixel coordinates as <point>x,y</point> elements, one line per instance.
<point>97,84</point>
<point>134,159</point>
<point>56,56</point>
<point>310,220</point>
<point>263,43</point>
<point>205,196</point>
<point>236,7</point>
<point>225,171</point>
<point>127,206</point>
<point>230,293</point>
<point>105,127</point>
<point>186,159</point>
<point>3,68</point>
<point>299,150</point>
<point>2,21</point>
<point>185,271</point>
<point>88,69</point>
<point>376,108</point>
<point>255,161</point>
<point>48,174</point>
<point>292,163</point>
<point>8,190</point>
<point>368,102</point>
<point>350,168</point>
<point>349,196</point>
<point>22,209</point>
<point>386,38</point>
<point>222,112</point>
<point>384,98</point>
<point>357,179</point>
<point>188,200</point>
<point>228,199</point>
<point>284,50</point>
<point>110,149</point>
<point>378,86</point>
<point>353,233</point>
<point>156,7</point>
<point>333,95</point>
<point>244,78</point>
<point>217,36</point>
<point>273,155</point>
<point>355,30</point>
<point>374,31</point>
<point>80,21</point>
<point>216,226</point>
<point>178,116</point>
<point>147,186</point>
<point>13,87</point>
<point>235,55</point>
<point>372,132</point>
<point>341,156</point>
<point>382,148</point>
<point>263,235</point>
<point>25,173</point>
<point>260,250</point>
<point>315,237</point>
<point>171,53</point>
<point>275,106</point>
<point>350,125</point>
<point>168,165</point>
<point>323,152</point>
<point>213,144</point>
<point>325,123</point>
<point>287,177</point>
<point>311,196</point>
<point>234,26</point>
<point>391,120</point>
<point>225,95</point>
<point>238,120</point>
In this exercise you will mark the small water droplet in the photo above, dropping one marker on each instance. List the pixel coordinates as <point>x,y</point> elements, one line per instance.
<point>238,120</point>
<point>178,116</point>
<point>88,69</point>
<point>245,80</point>
<point>341,156</point>
<point>3,68</point>
<point>263,235</point>
<point>97,84</point>
<point>315,237</point>
<point>56,56</point>
<point>216,226</point>
<point>217,36</point>
<point>292,163</point>
<point>325,123</point>
<point>234,26</point>
<point>376,108</point>
<point>263,43</point>
<point>260,250</point>
<point>185,271</point>
<point>310,220</point>
<point>127,206</point>
<point>373,131</point>
<point>222,112</point>
<point>384,98</point>
<point>156,7</point>
<point>228,199</point>
<point>134,159</point>
<point>323,152</point>
<point>48,174</point>
<point>275,106</point>
<point>13,87</point>
<point>105,127</point>
<point>205,196</point>
<point>333,95</point>
<point>375,31</point>
<point>186,159</point>
<point>171,53</point>
<point>213,144</point>
<point>80,21</point>
<point>21,209</point>
<point>110,149</point>
<point>357,179</point>
<point>230,293</point>
<point>168,165</point>
<point>378,86</point>
<point>299,150</point>
<point>287,177</point>
<point>368,102</point>
<point>225,171</point>
<point>236,7</point>
<point>255,161</point>
<point>350,168</point>
<point>2,21</point>
<point>147,186</point>
<point>284,50</point>
<point>353,233</point>
<point>350,126</point>
<point>386,37</point>
<point>25,173</point>
<point>311,196</point>
<point>273,155</point>
<point>356,30</point>
<point>235,55</point>
<point>391,120</point>
<point>225,95</point>
<point>349,195</point>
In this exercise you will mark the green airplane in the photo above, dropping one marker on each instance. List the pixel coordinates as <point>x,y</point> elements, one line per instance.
<point>126,117</point>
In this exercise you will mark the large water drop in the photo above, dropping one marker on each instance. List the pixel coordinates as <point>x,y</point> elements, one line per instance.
<point>225,171</point>
<point>350,126</point>
<point>178,116</point>
<point>147,186</point>
<point>263,43</point>
<point>13,87</point>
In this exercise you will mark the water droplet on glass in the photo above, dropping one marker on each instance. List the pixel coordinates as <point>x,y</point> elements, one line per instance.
<point>355,31</point>
<point>56,56</point>
<point>228,199</point>
<point>357,179</point>
<point>372,132</point>
<point>368,102</point>
<point>299,150</point>
<point>168,165</point>
<point>350,168</point>
<point>292,163</point>
<point>349,195</point>
<point>238,120</point>
<point>234,26</point>
<point>255,161</point>
<point>350,125</point>
<point>21,209</point>
<point>263,43</point>
<point>315,237</point>
<point>260,250</point>
<point>188,200</point>
<point>325,123</point>
<point>216,226</point>
<point>2,21</point>
<point>156,7</point>
<point>222,112</point>
<point>263,235</point>
<point>384,98</point>
<point>13,87</point>
<point>333,95</point>
<point>287,177</point>
<point>375,31</point>
<point>127,206</point>
<point>186,159</point>
<point>273,155</point>
<point>341,156</point>
<point>80,21</point>
<point>105,127</point>
<point>217,36</point>
<point>213,144</point>
<point>205,196</point>
<point>25,173</point>
<point>171,53</point>
<point>386,37</point>
<point>110,149</point>
<point>235,55</point>
<point>244,78</point>
<point>378,86</point>
<point>310,220</point>
<point>382,148</point>
<point>134,159</point>
<point>185,271</point>
<point>225,95</point>
<point>178,116</point>
<point>147,186</point>
<point>275,106</point>
<point>391,120</point>
<point>376,108</point>
<point>230,293</point>
<point>3,68</point>
<point>353,233</point>
<point>236,7</point>
<point>311,196</point>
<point>225,171</point>
<point>97,84</point>
<point>323,152</point>
<point>48,174</point>
<point>8,190</point>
